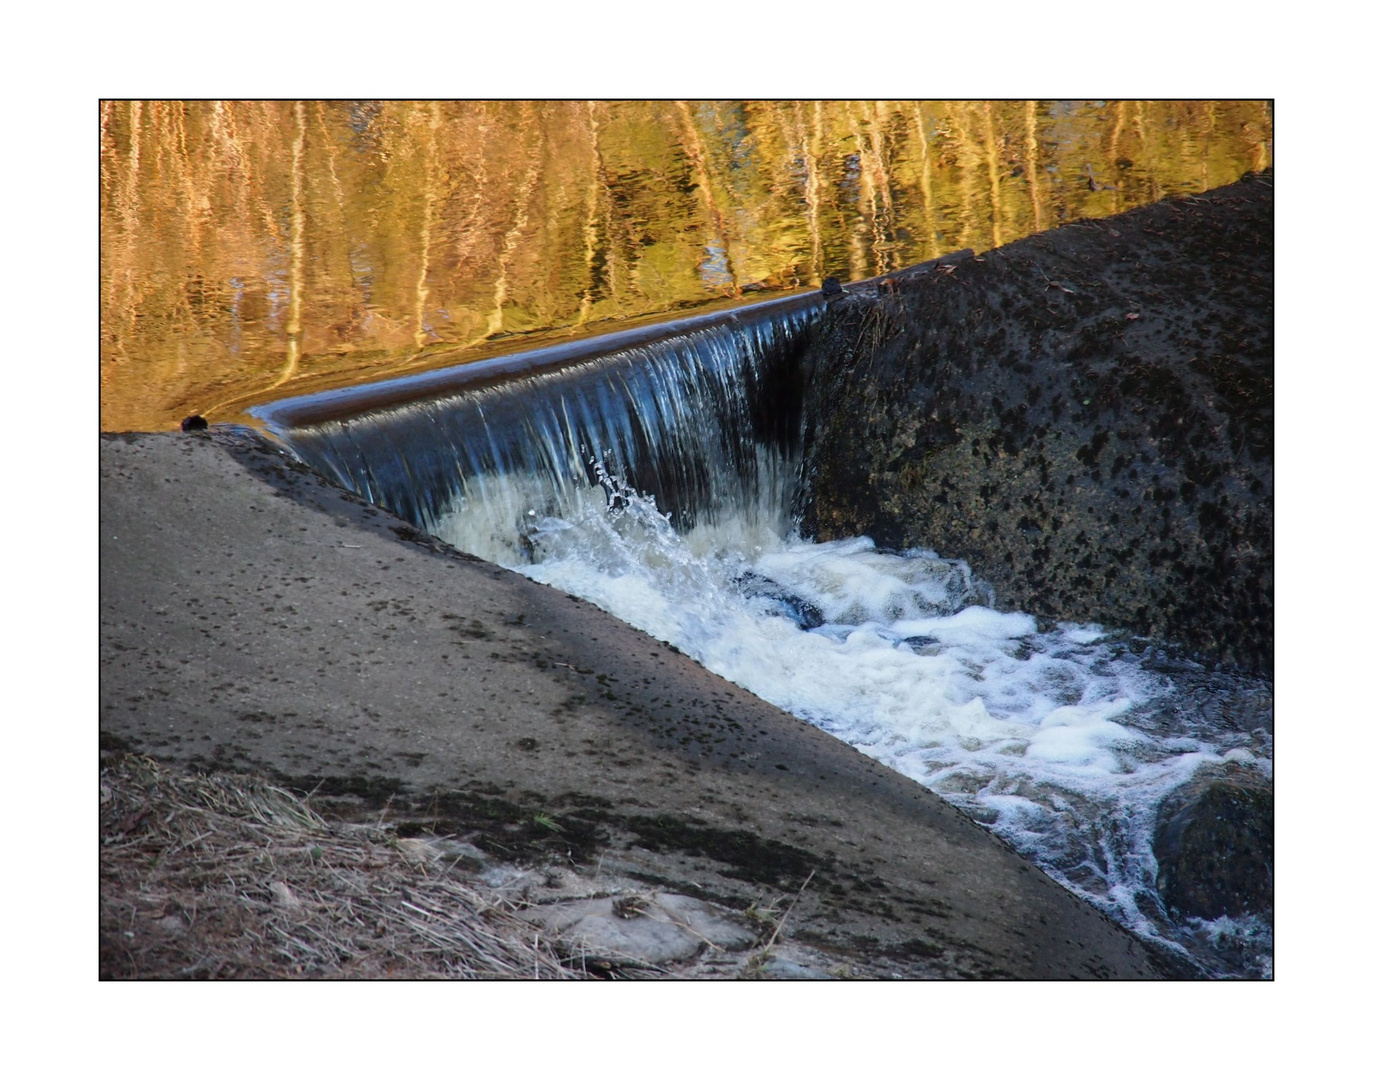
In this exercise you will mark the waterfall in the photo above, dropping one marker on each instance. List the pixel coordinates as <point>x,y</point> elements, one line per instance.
<point>705,414</point>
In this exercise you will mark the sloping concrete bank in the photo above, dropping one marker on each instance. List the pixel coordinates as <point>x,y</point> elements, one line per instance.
<point>253,616</point>
<point>1085,416</point>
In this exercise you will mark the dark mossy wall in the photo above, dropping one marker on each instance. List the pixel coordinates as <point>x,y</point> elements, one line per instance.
<point>1085,416</point>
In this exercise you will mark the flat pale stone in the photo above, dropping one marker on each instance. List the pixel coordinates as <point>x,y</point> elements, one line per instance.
<point>659,928</point>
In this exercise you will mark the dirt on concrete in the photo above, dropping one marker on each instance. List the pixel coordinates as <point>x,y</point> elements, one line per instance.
<point>256,619</point>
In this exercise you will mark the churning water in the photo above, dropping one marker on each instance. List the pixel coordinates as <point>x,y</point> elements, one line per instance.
<point>660,483</point>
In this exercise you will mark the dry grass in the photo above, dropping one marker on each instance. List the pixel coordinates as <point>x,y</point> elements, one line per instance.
<point>226,876</point>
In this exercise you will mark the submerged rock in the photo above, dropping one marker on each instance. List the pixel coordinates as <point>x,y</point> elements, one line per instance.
<point>1084,416</point>
<point>782,602</point>
<point>1214,846</point>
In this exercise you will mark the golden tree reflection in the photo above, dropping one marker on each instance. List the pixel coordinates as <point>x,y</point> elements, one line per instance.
<point>252,246</point>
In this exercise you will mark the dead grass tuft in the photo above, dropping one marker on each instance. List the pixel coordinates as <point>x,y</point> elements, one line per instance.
<point>226,876</point>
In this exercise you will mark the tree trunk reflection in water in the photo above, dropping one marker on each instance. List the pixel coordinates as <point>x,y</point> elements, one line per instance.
<point>297,287</point>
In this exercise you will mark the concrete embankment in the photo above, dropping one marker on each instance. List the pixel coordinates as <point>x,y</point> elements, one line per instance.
<point>253,616</point>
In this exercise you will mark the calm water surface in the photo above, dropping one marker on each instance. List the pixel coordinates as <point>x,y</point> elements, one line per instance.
<point>255,249</point>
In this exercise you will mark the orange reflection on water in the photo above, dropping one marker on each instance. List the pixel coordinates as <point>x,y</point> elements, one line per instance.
<point>250,249</point>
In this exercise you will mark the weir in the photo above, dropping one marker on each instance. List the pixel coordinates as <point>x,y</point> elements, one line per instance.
<point>704,413</point>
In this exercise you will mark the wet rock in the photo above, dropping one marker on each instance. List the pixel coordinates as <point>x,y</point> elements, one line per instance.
<point>781,601</point>
<point>1214,846</point>
<point>1084,416</point>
